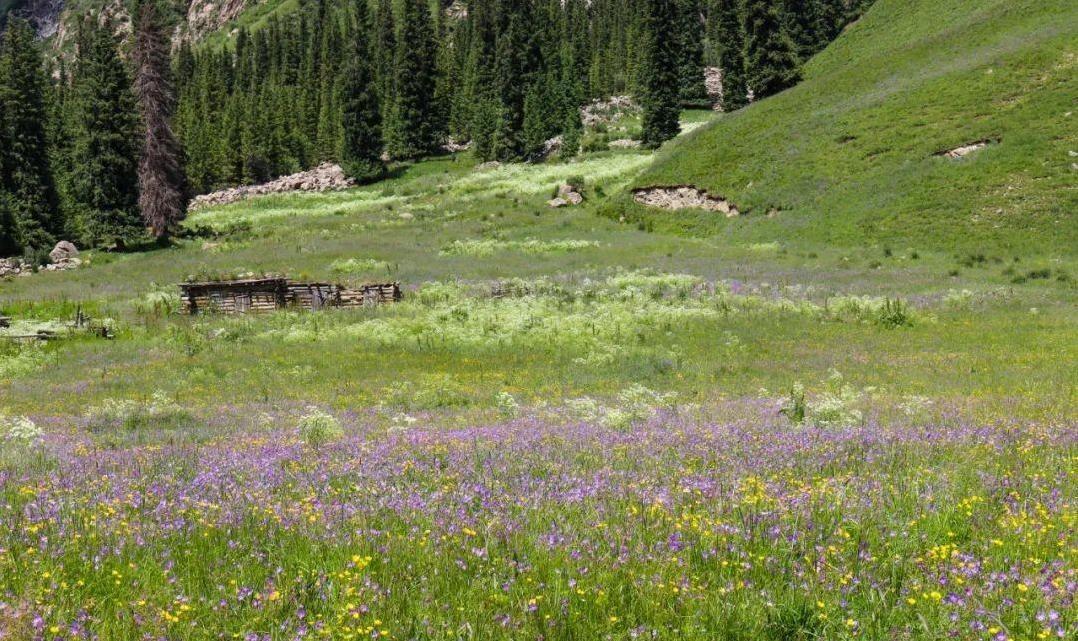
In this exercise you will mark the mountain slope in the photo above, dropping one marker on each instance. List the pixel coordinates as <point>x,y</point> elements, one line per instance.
<point>849,156</point>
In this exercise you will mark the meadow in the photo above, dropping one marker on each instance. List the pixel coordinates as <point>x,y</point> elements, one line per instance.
<point>572,427</point>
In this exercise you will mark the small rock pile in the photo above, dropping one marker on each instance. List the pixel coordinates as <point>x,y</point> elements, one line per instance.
<point>684,197</point>
<point>567,196</point>
<point>713,83</point>
<point>14,267</point>
<point>607,111</point>
<point>325,177</point>
<point>63,257</point>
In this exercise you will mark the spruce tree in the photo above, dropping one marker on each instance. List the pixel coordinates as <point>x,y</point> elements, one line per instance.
<point>690,34</point>
<point>731,47</point>
<point>659,93</point>
<point>416,117</point>
<point>162,182</point>
<point>25,170</point>
<point>10,240</point>
<point>384,51</point>
<point>770,58</point>
<point>361,117</point>
<point>105,150</point>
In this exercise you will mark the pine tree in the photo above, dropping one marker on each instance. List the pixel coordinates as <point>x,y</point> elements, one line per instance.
<point>384,51</point>
<point>162,182</point>
<point>10,240</point>
<point>731,47</point>
<point>690,33</point>
<point>659,95</point>
<point>417,132</point>
<point>770,58</point>
<point>800,19</point>
<point>25,170</point>
<point>361,117</point>
<point>106,142</point>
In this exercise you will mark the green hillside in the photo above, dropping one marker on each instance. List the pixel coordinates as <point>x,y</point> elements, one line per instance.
<point>848,157</point>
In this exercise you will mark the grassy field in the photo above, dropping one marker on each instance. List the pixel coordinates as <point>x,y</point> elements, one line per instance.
<point>723,434</point>
<point>850,153</point>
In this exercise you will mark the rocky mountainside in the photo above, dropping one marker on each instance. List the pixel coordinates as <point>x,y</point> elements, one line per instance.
<point>195,19</point>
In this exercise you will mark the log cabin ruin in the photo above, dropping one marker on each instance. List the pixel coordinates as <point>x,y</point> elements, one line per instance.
<point>270,294</point>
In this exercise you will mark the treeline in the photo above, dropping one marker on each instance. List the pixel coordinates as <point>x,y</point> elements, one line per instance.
<point>505,75</point>
<point>87,144</point>
<point>87,151</point>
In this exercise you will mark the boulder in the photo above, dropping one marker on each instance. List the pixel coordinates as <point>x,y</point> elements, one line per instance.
<point>64,250</point>
<point>567,196</point>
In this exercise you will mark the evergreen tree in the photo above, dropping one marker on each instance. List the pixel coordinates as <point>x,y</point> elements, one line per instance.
<point>10,240</point>
<point>25,170</point>
<point>770,58</point>
<point>416,118</point>
<point>659,95</point>
<point>731,47</point>
<point>384,51</point>
<point>690,34</point>
<point>105,147</point>
<point>800,19</point>
<point>361,117</point>
<point>162,182</point>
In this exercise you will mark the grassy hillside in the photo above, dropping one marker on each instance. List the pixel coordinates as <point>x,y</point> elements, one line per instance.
<point>848,156</point>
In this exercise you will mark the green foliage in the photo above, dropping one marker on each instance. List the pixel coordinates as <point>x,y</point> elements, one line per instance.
<point>105,147</point>
<point>418,131</point>
<point>730,42</point>
<point>25,171</point>
<point>361,153</point>
<point>660,94</point>
<point>318,428</point>
<point>771,61</point>
<point>847,156</point>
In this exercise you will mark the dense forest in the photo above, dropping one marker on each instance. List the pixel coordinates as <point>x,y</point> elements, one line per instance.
<point>105,146</point>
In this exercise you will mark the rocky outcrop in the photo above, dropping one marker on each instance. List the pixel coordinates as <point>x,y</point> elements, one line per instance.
<point>684,197</point>
<point>713,84</point>
<point>325,177</point>
<point>567,196</point>
<point>965,150</point>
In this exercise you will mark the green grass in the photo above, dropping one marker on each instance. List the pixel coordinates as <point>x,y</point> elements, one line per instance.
<point>848,157</point>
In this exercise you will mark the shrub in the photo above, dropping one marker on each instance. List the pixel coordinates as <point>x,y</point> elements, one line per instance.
<point>20,430</point>
<point>160,412</point>
<point>894,313</point>
<point>507,405</point>
<point>795,408</point>
<point>318,428</point>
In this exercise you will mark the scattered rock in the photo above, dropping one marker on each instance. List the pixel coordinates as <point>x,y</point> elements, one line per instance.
<point>624,143</point>
<point>684,197</point>
<point>552,146</point>
<point>404,215</point>
<point>967,149</point>
<point>325,177</point>
<point>14,267</point>
<point>567,196</point>
<point>489,166</point>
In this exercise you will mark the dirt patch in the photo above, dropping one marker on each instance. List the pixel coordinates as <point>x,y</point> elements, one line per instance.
<point>684,197</point>
<point>966,149</point>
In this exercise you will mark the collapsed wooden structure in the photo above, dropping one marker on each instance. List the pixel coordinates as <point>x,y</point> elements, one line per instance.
<point>269,294</point>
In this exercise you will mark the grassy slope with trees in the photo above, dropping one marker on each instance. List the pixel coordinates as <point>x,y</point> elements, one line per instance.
<point>848,155</point>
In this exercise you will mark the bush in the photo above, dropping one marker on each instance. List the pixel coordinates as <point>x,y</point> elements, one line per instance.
<point>160,412</point>
<point>20,430</point>
<point>318,428</point>
<point>795,408</point>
